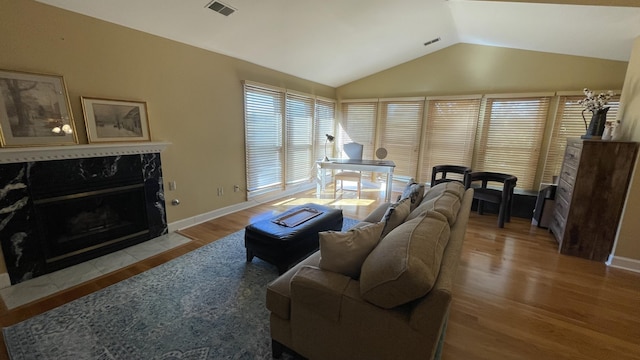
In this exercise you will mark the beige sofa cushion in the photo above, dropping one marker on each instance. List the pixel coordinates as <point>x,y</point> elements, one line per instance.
<point>446,204</point>
<point>453,187</point>
<point>395,215</point>
<point>405,264</point>
<point>377,214</point>
<point>344,252</point>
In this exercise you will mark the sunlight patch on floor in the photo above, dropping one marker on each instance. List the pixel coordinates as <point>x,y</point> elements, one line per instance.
<point>302,201</point>
<point>352,202</point>
<point>326,202</point>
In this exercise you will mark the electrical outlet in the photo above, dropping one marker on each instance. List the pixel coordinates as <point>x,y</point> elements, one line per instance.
<point>172,185</point>
<point>236,188</point>
<point>220,191</point>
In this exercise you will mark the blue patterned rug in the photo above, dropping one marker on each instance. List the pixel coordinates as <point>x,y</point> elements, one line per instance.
<point>207,304</point>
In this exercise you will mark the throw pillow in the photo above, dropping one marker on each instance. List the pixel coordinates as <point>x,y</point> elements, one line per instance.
<point>405,264</point>
<point>344,252</point>
<point>413,191</point>
<point>395,215</point>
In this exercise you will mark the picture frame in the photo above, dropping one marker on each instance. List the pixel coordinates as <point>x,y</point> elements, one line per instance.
<point>110,120</point>
<point>34,110</point>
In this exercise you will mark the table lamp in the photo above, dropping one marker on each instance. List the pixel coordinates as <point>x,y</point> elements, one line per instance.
<point>330,138</point>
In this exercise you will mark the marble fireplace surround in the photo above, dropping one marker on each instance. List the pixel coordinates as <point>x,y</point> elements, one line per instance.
<point>21,254</point>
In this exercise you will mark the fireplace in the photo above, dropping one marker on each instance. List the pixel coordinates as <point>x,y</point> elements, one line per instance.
<point>63,212</point>
<point>90,222</point>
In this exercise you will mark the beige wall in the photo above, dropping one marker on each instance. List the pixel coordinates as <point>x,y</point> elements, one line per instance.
<point>628,241</point>
<point>194,97</point>
<point>476,69</point>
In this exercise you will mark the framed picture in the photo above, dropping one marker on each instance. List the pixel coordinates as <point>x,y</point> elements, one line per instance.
<point>34,110</point>
<point>115,120</point>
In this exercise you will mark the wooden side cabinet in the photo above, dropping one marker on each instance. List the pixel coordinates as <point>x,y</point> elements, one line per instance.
<point>591,192</point>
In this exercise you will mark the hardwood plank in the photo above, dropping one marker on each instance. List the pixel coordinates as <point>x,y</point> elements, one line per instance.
<point>515,296</point>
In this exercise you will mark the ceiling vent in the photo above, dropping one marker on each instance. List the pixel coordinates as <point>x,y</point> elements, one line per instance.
<point>221,8</point>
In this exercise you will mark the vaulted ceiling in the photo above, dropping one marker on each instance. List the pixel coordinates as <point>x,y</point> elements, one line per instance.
<point>334,42</point>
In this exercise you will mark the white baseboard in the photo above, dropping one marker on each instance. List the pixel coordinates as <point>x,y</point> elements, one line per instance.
<point>199,219</point>
<point>624,263</point>
<point>5,281</point>
<point>256,200</point>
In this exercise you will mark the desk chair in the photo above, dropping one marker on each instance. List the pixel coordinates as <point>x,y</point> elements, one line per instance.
<point>442,170</point>
<point>354,152</point>
<point>502,197</point>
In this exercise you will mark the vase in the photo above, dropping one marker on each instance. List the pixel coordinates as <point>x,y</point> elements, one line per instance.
<point>606,135</point>
<point>616,132</point>
<point>596,126</point>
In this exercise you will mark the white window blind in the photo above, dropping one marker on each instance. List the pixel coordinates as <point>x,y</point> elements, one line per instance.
<point>263,118</point>
<point>450,134</point>
<point>299,137</point>
<point>357,124</point>
<point>510,135</point>
<point>324,124</point>
<point>401,124</point>
<point>570,124</point>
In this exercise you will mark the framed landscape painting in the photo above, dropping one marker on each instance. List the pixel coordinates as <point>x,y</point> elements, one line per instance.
<point>34,110</point>
<point>115,120</point>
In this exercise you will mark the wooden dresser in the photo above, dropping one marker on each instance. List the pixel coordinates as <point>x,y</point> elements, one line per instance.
<point>591,192</point>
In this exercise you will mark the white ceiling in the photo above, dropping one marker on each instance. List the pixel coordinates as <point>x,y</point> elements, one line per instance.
<point>334,42</point>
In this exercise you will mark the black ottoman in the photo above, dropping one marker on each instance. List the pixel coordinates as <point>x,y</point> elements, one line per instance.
<point>285,245</point>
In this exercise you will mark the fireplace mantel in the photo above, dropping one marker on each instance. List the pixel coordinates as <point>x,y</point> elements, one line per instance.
<point>27,154</point>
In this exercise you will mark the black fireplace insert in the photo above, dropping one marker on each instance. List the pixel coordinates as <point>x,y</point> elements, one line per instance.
<point>90,221</point>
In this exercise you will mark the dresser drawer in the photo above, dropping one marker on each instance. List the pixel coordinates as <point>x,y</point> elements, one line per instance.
<point>565,190</point>
<point>561,207</point>
<point>568,173</point>
<point>557,227</point>
<point>572,155</point>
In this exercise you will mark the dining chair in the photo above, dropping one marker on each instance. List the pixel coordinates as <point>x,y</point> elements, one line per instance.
<point>503,197</point>
<point>439,173</point>
<point>354,152</point>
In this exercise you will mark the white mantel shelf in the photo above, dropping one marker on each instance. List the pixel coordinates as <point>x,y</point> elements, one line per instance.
<point>26,154</point>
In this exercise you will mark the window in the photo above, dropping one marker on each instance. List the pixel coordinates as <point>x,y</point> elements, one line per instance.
<point>284,135</point>
<point>450,133</point>
<point>263,138</point>
<point>299,136</point>
<point>510,135</point>
<point>401,124</point>
<point>358,124</point>
<point>569,123</point>
<point>324,124</point>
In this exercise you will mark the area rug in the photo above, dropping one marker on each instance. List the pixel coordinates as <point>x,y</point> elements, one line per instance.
<point>207,304</point>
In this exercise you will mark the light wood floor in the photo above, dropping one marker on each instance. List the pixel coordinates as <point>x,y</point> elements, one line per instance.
<point>515,296</point>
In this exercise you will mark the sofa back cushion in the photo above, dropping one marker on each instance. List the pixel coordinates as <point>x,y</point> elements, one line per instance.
<point>453,187</point>
<point>405,264</point>
<point>447,204</point>
<point>377,214</point>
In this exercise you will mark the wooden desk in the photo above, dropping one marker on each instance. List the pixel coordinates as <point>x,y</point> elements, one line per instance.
<point>381,166</point>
